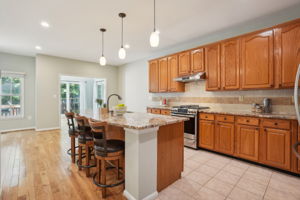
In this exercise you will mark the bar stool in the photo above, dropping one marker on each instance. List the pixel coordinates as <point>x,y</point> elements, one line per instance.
<point>73,134</point>
<point>85,141</point>
<point>106,150</point>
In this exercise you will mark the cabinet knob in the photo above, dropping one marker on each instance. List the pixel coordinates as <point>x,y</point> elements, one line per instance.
<point>247,120</point>
<point>275,123</point>
<point>205,116</point>
<point>225,118</point>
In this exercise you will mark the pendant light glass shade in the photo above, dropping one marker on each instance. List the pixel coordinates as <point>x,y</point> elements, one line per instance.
<point>102,61</point>
<point>122,53</point>
<point>154,39</point>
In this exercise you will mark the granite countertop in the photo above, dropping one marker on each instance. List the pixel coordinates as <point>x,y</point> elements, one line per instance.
<point>160,107</point>
<point>138,121</point>
<point>250,114</point>
<point>241,113</point>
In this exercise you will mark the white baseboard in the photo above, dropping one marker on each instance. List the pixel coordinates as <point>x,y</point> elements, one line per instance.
<point>17,129</point>
<point>152,196</point>
<point>47,129</point>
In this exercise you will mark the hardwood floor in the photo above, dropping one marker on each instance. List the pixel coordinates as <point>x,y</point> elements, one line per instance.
<point>35,165</point>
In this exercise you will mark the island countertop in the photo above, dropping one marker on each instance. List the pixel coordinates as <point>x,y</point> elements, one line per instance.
<point>136,120</point>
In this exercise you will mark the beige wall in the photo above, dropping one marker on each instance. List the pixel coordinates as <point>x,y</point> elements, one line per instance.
<point>133,77</point>
<point>48,71</point>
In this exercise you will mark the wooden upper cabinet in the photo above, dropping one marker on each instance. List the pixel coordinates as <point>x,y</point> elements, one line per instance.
<point>153,76</point>
<point>247,142</point>
<point>276,148</point>
<point>287,54</point>
<point>174,86</point>
<point>184,63</point>
<point>207,134</point>
<point>163,74</point>
<point>212,65</point>
<point>225,137</point>
<point>257,60</point>
<point>197,60</point>
<point>230,64</point>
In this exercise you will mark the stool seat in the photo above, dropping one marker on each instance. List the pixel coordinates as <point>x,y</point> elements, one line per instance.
<point>82,139</point>
<point>112,146</point>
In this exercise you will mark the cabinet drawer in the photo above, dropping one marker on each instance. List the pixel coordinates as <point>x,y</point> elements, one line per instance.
<point>149,110</point>
<point>225,118</point>
<point>276,123</point>
<point>248,121</point>
<point>165,112</point>
<point>207,116</point>
<point>155,111</point>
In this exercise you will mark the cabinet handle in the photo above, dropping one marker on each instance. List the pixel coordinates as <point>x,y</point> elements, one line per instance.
<point>265,130</point>
<point>205,116</point>
<point>257,129</point>
<point>279,84</point>
<point>225,118</point>
<point>272,85</point>
<point>275,123</point>
<point>247,120</point>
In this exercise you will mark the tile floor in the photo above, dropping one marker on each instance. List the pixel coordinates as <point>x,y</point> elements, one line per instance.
<point>210,176</point>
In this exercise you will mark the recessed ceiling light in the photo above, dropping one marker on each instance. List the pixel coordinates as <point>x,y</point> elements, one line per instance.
<point>45,24</point>
<point>127,46</point>
<point>38,47</point>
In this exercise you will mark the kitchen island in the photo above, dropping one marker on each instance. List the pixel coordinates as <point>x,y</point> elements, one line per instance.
<point>153,151</point>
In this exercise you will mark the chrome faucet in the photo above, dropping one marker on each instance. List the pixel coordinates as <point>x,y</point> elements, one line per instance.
<point>119,97</point>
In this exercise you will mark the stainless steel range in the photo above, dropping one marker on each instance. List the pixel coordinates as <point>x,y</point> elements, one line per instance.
<point>191,126</point>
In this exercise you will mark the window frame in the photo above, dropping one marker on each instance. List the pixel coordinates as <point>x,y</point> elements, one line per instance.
<point>21,76</point>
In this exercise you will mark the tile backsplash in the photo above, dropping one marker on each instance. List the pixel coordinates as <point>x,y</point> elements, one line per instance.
<point>282,100</point>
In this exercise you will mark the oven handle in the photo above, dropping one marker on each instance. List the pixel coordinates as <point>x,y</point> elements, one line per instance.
<point>178,115</point>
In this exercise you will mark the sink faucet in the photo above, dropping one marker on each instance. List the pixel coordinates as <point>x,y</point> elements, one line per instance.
<point>119,97</point>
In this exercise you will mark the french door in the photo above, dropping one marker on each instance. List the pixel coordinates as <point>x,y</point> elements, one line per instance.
<point>70,97</point>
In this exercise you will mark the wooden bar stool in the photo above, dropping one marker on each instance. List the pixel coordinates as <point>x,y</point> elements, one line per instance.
<point>85,141</point>
<point>105,151</point>
<point>73,134</point>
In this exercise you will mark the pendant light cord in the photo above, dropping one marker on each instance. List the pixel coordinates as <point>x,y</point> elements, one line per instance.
<point>154,17</point>
<point>102,43</point>
<point>122,34</point>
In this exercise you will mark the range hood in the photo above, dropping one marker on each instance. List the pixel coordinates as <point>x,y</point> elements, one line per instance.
<point>190,78</point>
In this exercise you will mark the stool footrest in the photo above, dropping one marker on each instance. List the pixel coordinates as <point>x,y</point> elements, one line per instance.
<point>104,185</point>
<point>85,166</point>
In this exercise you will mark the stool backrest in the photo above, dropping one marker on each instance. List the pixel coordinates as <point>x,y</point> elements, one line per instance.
<point>70,120</point>
<point>99,134</point>
<point>82,123</point>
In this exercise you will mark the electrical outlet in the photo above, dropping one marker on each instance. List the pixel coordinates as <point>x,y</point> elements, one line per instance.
<point>241,98</point>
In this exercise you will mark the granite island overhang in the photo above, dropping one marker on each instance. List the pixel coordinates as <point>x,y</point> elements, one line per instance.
<point>153,151</point>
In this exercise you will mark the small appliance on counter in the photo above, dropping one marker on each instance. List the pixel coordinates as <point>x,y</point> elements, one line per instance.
<point>191,129</point>
<point>164,102</point>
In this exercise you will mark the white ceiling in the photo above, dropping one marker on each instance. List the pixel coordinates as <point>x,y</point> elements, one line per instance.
<point>74,31</point>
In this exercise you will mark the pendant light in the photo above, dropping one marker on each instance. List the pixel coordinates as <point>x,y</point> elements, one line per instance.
<point>154,37</point>
<point>122,52</point>
<point>102,59</point>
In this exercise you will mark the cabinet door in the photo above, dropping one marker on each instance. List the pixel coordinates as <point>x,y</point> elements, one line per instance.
<point>207,134</point>
<point>276,148</point>
<point>184,63</point>
<point>257,60</point>
<point>287,54</point>
<point>212,65</point>
<point>153,76</point>
<point>225,137</point>
<point>174,86</point>
<point>247,138</point>
<point>197,60</point>
<point>230,64</point>
<point>163,74</point>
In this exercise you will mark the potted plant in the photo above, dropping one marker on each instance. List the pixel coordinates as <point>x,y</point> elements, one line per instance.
<point>102,106</point>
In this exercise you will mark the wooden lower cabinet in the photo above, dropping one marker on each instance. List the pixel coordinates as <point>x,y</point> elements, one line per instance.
<point>247,142</point>
<point>224,137</point>
<point>207,132</point>
<point>276,148</point>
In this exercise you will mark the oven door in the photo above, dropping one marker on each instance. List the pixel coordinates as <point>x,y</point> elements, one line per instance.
<point>190,129</point>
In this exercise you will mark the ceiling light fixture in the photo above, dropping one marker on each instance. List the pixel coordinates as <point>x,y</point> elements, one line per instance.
<point>45,24</point>
<point>154,37</point>
<point>122,52</point>
<point>102,59</point>
<point>38,47</point>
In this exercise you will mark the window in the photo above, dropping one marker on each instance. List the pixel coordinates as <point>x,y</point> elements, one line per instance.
<point>100,89</point>
<point>11,94</point>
